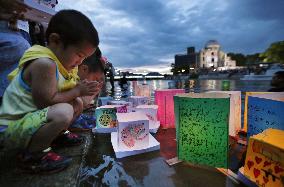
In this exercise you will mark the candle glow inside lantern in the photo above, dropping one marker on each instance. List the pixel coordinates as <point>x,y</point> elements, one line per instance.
<point>202,128</point>
<point>143,90</point>
<point>165,101</point>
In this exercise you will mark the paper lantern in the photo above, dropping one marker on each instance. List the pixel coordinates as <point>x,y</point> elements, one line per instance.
<point>165,101</point>
<point>133,131</point>
<point>138,100</point>
<point>264,162</point>
<point>245,127</point>
<point>151,112</point>
<point>235,111</point>
<point>265,111</point>
<point>143,90</point>
<point>106,117</point>
<point>202,128</point>
<point>121,102</point>
<point>104,100</point>
<point>133,135</point>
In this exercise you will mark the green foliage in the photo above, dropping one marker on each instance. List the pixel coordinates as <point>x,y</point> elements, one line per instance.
<point>275,53</point>
<point>239,58</point>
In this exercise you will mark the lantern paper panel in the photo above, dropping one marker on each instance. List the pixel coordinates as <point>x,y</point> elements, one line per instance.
<point>106,117</point>
<point>265,111</point>
<point>151,112</point>
<point>264,163</point>
<point>138,100</point>
<point>143,90</point>
<point>202,128</point>
<point>165,101</point>
<point>133,131</point>
<point>235,111</point>
<point>245,127</point>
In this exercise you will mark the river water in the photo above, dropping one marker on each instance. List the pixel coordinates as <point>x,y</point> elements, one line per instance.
<point>150,169</point>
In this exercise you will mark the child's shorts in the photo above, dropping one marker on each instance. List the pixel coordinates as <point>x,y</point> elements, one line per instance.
<point>19,133</point>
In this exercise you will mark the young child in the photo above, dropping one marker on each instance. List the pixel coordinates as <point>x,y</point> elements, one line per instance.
<point>92,69</point>
<point>44,96</point>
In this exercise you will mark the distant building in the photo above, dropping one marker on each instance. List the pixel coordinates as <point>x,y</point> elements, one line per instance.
<point>210,57</point>
<point>186,61</point>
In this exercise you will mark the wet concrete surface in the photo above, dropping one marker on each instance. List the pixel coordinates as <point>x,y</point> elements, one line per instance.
<point>11,175</point>
<point>148,169</point>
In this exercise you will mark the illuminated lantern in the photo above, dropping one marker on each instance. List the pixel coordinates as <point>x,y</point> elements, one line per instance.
<point>165,101</point>
<point>151,112</point>
<point>143,90</point>
<point>106,119</point>
<point>133,135</point>
<point>121,102</point>
<point>235,111</point>
<point>245,127</point>
<point>264,162</point>
<point>265,111</point>
<point>104,100</point>
<point>202,128</point>
<point>138,100</point>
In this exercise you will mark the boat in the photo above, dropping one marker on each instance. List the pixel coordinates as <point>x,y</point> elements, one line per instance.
<point>266,76</point>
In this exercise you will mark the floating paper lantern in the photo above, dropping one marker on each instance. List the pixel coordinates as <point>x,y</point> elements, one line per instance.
<point>235,111</point>
<point>133,131</point>
<point>151,112</point>
<point>264,162</point>
<point>202,128</point>
<point>143,90</point>
<point>165,101</point>
<point>265,111</point>
<point>106,117</point>
<point>138,100</point>
<point>121,102</point>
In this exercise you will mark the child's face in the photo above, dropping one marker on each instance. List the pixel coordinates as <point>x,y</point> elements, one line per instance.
<point>85,74</point>
<point>73,55</point>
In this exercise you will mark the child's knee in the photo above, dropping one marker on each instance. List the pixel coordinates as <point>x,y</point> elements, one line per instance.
<point>61,113</point>
<point>78,105</point>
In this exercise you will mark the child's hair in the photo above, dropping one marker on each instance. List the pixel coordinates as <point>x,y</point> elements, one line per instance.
<point>73,27</point>
<point>94,62</point>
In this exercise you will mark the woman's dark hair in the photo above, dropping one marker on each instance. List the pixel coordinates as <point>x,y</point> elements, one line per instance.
<point>73,28</point>
<point>94,62</point>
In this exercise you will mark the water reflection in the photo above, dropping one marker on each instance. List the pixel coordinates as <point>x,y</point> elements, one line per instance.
<point>109,172</point>
<point>196,86</point>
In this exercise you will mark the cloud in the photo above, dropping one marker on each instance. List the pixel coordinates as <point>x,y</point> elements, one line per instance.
<point>143,34</point>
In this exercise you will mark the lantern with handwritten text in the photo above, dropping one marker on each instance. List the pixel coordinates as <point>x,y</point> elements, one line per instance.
<point>264,162</point>
<point>265,111</point>
<point>202,128</point>
<point>245,126</point>
<point>165,101</point>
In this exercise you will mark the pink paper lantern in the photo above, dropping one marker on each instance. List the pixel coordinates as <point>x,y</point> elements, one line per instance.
<point>165,101</point>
